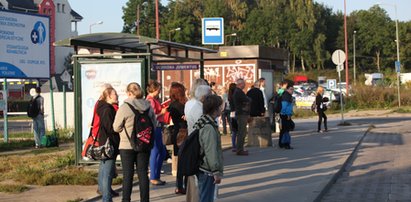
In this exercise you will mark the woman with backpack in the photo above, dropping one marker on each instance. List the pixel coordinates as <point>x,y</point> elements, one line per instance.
<point>158,152</point>
<point>125,124</point>
<point>211,168</point>
<point>321,107</point>
<point>106,112</point>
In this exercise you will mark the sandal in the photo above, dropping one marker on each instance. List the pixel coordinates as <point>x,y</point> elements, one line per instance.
<point>180,191</point>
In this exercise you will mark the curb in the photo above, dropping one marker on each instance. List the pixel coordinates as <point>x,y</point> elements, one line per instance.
<point>335,177</point>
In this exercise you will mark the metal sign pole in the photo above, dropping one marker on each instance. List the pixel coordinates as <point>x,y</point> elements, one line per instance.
<point>339,69</point>
<point>5,125</point>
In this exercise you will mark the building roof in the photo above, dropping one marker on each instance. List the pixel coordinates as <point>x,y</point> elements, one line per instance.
<point>75,15</point>
<point>22,5</point>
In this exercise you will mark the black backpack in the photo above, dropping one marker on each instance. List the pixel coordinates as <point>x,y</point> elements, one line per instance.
<point>189,155</point>
<point>33,108</point>
<point>277,104</point>
<point>142,137</point>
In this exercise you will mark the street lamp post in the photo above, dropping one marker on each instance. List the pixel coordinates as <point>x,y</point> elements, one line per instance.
<point>398,50</point>
<point>96,23</point>
<point>173,30</point>
<point>355,77</point>
<point>226,36</point>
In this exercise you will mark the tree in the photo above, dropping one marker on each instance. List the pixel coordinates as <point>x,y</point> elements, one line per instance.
<point>374,34</point>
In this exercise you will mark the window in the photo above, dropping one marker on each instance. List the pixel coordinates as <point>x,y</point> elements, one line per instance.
<point>62,8</point>
<point>58,8</point>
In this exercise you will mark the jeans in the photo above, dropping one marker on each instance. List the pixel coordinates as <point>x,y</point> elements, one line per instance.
<point>206,187</point>
<point>105,178</point>
<point>129,158</point>
<point>38,128</point>
<point>321,115</point>
<point>242,131</point>
<point>234,129</point>
<point>157,155</point>
<point>284,128</point>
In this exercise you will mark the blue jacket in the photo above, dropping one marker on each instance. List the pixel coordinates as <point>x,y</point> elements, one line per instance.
<point>286,104</point>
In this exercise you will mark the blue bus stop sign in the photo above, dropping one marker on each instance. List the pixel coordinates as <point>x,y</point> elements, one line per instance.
<point>213,31</point>
<point>397,66</point>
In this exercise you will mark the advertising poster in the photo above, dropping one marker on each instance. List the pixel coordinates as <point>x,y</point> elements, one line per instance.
<point>24,45</point>
<point>94,76</point>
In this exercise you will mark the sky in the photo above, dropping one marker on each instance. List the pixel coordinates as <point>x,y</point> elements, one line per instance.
<point>110,11</point>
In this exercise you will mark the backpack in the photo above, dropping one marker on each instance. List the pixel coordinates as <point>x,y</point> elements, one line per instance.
<point>278,104</point>
<point>142,137</point>
<point>33,108</point>
<point>189,155</point>
<point>314,107</point>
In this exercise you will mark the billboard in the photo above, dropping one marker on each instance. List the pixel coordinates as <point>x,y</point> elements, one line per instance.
<point>24,45</point>
<point>94,76</point>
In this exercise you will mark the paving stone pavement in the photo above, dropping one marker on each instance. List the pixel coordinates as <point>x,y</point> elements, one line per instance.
<point>381,170</point>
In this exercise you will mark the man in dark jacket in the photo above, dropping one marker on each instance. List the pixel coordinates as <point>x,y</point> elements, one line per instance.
<point>257,100</point>
<point>242,113</point>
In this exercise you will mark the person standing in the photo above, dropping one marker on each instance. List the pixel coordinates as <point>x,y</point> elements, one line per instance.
<point>233,120</point>
<point>285,114</point>
<point>192,116</point>
<point>106,112</point>
<point>38,121</point>
<point>319,101</point>
<point>242,113</point>
<point>158,152</point>
<point>124,124</point>
<point>261,86</point>
<point>282,88</point>
<point>225,116</point>
<point>211,168</point>
<point>257,107</point>
<point>176,109</point>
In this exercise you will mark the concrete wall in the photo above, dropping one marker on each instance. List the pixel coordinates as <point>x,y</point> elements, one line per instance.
<point>59,110</point>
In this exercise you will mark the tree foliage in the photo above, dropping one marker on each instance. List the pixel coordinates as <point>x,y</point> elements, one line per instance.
<point>308,30</point>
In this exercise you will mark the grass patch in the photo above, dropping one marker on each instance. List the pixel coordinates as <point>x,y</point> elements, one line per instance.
<point>13,188</point>
<point>303,113</point>
<point>402,110</point>
<point>26,140</point>
<point>48,168</point>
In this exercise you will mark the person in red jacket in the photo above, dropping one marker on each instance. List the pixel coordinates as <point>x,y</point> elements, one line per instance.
<point>158,151</point>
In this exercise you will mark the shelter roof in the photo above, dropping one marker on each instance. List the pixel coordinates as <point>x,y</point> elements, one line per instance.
<point>162,50</point>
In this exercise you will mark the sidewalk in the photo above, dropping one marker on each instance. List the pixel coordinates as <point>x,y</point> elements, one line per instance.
<point>273,174</point>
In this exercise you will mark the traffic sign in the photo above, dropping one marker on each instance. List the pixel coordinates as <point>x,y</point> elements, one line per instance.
<point>338,57</point>
<point>332,83</point>
<point>213,31</point>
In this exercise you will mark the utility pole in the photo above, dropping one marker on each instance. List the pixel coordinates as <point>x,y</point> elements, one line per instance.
<point>157,23</point>
<point>138,21</point>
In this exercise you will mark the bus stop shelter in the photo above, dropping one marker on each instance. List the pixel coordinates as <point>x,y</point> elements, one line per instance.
<point>116,58</point>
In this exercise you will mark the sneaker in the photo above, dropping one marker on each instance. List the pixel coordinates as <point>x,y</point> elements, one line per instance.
<point>157,182</point>
<point>234,150</point>
<point>319,131</point>
<point>242,153</point>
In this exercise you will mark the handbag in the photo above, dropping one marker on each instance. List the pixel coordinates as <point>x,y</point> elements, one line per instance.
<point>166,134</point>
<point>286,139</point>
<point>100,152</point>
<point>181,136</point>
